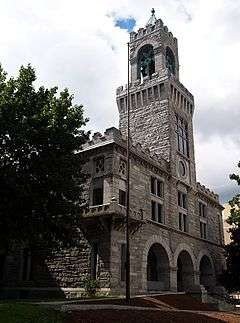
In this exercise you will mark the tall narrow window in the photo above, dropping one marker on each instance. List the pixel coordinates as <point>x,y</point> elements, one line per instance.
<point>182,135</point>
<point>97,191</point>
<point>160,213</point>
<point>139,99</point>
<point>122,197</point>
<point>153,203</point>
<point>99,165</point>
<point>203,230</point>
<point>94,260</point>
<point>150,94</point>
<point>123,262</point>
<point>26,264</point>
<point>153,188</point>
<point>155,91</point>
<point>182,219</point>
<point>202,209</point>
<point>144,97</point>
<point>182,200</point>
<point>133,101</point>
<point>156,187</point>
<point>2,265</point>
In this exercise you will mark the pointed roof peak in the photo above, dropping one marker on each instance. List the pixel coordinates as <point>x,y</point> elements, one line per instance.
<point>152,20</point>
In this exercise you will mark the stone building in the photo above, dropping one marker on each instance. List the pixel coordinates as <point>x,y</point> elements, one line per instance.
<point>176,240</point>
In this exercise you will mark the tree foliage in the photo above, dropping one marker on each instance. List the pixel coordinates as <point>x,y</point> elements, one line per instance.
<point>231,277</point>
<point>40,172</point>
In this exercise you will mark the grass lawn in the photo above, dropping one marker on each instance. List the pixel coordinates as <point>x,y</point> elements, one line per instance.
<point>28,313</point>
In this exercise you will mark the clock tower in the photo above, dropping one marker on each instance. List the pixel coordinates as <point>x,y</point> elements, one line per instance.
<point>161,108</point>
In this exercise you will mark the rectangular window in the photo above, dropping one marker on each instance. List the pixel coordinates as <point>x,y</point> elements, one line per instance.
<point>138,99</point>
<point>159,188</point>
<point>203,230</point>
<point>155,91</point>
<point>162,90</point>
<point>94,260</point>
<point>123,262</point>
<point>202,209</point>
<point>182,222</point>
<point>156,187</point>
<point>150,95</point>
<point>99,165</point>
<point>2,265</point>
<point>122,106</point>
<point>144,97</point>
<point>182,200</point>
<point>153,188</point>
<point>153,211</point>
<point>160,213</point>
<point>182,135</point>
<point>133,102</point>
<point>157,212</point>
<point>26,264</point>
<point>97,191</point>
<point>122,198</point>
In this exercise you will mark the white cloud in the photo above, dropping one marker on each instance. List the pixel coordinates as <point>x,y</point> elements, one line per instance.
<point>75,44</point>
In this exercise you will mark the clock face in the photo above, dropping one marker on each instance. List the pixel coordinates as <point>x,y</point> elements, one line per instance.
<point>182,168</point>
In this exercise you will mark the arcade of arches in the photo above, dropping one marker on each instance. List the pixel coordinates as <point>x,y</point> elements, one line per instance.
<point>184,276</point>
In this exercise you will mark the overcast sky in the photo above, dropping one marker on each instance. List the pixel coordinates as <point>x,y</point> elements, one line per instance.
<point>80,45</point>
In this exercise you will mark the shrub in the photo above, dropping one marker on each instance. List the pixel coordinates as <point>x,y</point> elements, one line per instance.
<point>90,286</point>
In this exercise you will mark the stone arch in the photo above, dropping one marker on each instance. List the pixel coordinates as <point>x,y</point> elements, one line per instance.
<point>206,268</point>
<point>185,263</point>
<point>161,250</point>
<point>182,247</point>
<point>152,42</point>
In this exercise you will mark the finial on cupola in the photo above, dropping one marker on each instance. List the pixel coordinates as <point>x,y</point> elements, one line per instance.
<point>152,20</point>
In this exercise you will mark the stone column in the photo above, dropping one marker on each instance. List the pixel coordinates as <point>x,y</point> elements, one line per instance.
<point>173,279</point>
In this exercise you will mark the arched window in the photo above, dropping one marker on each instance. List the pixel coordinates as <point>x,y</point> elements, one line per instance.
<point>170,61</point>
<point>146,61</point>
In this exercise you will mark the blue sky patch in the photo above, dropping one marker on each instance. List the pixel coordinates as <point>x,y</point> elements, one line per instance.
<point>127,23</point>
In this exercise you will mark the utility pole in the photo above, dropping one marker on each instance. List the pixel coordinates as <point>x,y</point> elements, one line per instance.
<point>128,191</point>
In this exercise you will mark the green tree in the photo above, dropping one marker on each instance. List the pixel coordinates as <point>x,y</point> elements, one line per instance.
<point>231,277</point>
<point>40,172</point>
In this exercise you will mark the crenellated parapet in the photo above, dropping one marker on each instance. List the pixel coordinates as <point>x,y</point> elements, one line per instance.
<point>113,135</point>
<point>143,32</point>
<point>207,192</point>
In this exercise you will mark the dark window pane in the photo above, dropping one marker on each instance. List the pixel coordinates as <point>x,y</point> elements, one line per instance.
<point>2,265</point>
<point>160,215</point>
<point>123,262</point>
<point>153,211</point>
<point>184,222</point>
<point>180,221</point>
<point>159,189</point>
<point>97,196</point>
<point>122,197</point>
<point>94,260</point>
<point>153,189</point>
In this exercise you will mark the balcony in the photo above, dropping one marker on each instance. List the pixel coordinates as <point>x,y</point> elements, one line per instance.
<point>112,208</point>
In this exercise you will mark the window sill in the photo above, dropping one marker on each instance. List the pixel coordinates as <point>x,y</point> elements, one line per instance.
<point>157,197</point>
<point>158,223</point>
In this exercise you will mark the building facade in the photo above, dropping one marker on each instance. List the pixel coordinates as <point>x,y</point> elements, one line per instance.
<point>176,231</point>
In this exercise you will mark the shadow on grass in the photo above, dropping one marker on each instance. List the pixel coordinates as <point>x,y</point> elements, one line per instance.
<point>28,313</point>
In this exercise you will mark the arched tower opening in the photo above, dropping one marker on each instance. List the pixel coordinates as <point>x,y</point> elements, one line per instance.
<point>157,268</point>
<point>145,61</point>
<point>170,61</point>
